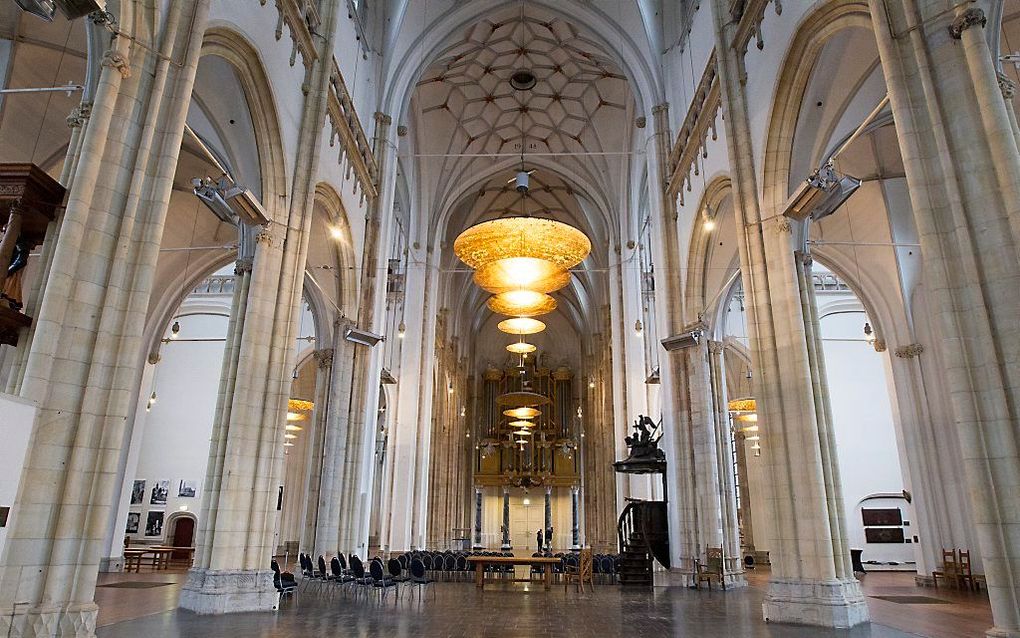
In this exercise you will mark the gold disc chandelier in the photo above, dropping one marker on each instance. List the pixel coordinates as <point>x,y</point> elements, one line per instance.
<point>520,260</point>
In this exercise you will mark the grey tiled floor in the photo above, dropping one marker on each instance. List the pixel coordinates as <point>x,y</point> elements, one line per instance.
<point>503,611</point>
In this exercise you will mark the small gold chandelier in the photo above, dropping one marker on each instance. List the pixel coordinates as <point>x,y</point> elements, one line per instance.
<point>522,303</point>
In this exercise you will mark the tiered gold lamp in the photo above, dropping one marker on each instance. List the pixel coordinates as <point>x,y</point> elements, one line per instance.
<point>520,260</point>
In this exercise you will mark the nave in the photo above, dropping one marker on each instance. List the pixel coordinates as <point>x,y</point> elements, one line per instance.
<point>711,302</point>
<point>506,610</point>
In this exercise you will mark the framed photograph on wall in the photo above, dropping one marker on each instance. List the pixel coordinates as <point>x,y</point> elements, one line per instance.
<point>134,519</point>
<point>138,492</point>
<point>154,524</point>
<point>187,489</point>
<point>160,490</point>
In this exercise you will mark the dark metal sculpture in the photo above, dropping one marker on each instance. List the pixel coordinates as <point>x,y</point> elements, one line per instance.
<point>645,456</point>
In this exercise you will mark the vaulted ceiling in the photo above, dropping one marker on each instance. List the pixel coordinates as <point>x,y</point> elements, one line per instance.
<point>473,131</point>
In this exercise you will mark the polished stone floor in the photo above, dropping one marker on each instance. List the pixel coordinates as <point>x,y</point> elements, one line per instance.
<point>511,610</point>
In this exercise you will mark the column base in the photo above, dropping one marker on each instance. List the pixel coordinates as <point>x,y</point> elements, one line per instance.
<point>211,591</point>
<point>478,546</point>
<point>72,621</point>
<point>996,632</point>
<point>506,547</point>
<point>838,604</point>
<point>111,564</point>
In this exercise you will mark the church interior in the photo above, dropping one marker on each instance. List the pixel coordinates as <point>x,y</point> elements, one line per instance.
<point>510,318</point>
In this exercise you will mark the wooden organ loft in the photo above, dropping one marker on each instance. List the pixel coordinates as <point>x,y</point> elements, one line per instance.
<point>549,456</point>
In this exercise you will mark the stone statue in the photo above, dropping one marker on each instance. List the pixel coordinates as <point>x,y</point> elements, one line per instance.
<point>644,443</point>
<point>12,288</point>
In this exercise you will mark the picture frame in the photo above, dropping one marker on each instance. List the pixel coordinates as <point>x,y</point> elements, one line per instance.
<point>160,490</point>
<point>154,523</point>
<point>187,489</point>
<point>134,519</point>
<point>138,492</point>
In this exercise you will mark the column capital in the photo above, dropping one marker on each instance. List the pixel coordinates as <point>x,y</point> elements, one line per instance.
<point>324,358</point>
<point>716,347</point>
<point>80,114</point>
<point>243,265</point>
<point>965,20</point>
<point>909,351</point>
<point>117,60</point>
<point>1007,86</point>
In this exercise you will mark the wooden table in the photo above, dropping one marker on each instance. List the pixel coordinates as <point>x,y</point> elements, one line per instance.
<point>133,559</point>
<point>160,557</point>
<point>481,561</point>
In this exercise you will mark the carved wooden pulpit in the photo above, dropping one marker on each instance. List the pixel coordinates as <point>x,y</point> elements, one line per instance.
<point>29,199</point>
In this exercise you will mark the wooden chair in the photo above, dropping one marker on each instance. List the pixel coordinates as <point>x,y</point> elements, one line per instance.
<point>966,575</point>
<point>712,568</point>
<point>582,573</point>
<point>950,571</point>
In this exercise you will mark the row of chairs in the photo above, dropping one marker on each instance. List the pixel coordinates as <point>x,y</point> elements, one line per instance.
<point>604,566</point>
<point>453,565</point>
<point>349,575</point>
<point>956,570</point>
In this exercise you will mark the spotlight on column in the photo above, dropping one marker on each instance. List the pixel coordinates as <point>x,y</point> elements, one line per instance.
<point>821,194</point>
<point>682,341</point>
<point>363,337</point>
<point>72,9</point>
<point>230,202</point>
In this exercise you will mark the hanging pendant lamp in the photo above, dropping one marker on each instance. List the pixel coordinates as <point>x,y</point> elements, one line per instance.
<point>506,237</point>
<point>521,326</point>
<point>521,303</point>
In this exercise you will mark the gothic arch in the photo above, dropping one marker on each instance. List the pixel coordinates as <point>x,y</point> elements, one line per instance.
<point>811,35</point>
<point>698,252</point>
<point>247,62</point>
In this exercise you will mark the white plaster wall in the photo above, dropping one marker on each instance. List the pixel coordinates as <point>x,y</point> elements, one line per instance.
<point>175,443</point>
<point>16,419</point>
<point>525,520</point>
<point>865,433</point>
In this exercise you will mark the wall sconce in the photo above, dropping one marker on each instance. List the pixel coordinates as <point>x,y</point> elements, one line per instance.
<point>175,330</point>
<point>638,327</point>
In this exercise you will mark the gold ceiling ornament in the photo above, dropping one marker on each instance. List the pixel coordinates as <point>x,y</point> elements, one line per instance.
<point>521,326</point>
<point>521,424</point>
<point>522,399</point>
<point>518,236</point>
<point>290,427</point>
<point>521,273</point>
<point>521,347</point>
<point>296,416</point>
<point>522,413</point>
<point>521,303</point>
<point>523,432</point>
<point>299,405</point>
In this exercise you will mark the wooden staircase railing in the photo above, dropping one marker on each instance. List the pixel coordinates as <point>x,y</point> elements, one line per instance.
<point>643,533</point>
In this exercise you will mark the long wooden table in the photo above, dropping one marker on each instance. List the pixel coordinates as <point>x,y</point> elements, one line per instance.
<point>481,561</point>
<point>158,554</point>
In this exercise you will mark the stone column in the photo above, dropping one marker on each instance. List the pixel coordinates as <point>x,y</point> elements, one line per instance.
<point>328,519</point>
<point>83,356</point>
<point>811,580</point>
<point>316,439</point>
<point>575,519</point>
<point>235,542</point>
<point>478,519</point>
<point>355,464</point>
<point>548,515</point>
<point>724,459</point>
<point>963,171</point>
<point>506,520</point>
